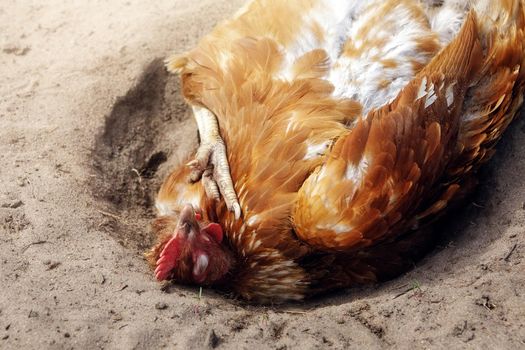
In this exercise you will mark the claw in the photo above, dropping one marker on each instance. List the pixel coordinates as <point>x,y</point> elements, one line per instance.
<point>237,211</point>
<point>215,175</point>
<point>211,163</point>
<point>210,186</point>
<point>193,164</point>
<point>195,175</point>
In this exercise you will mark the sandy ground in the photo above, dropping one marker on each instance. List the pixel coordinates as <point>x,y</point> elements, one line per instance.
<point>86,107</point>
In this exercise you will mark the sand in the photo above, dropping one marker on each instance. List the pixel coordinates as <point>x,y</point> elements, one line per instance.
<point>90,123</point>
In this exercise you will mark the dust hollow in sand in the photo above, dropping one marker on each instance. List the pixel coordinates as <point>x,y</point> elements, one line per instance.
<point>145,128</point>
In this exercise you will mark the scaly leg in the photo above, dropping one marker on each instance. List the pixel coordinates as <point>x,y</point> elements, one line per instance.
<point>211,163</point>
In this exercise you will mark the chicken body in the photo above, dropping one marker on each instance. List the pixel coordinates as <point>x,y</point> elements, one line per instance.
<point>349,125</point>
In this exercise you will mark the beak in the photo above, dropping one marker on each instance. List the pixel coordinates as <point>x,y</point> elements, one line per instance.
<point>188,221</point>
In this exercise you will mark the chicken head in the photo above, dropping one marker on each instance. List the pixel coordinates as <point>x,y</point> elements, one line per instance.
<point>191,249</point>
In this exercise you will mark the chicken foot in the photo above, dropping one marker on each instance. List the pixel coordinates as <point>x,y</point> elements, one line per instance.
<point>211,163</point>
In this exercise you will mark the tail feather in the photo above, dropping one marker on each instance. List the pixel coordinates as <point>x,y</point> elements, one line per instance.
<point>497,92</point>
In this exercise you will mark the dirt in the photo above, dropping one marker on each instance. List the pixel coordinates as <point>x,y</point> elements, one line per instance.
<point>91,123</point>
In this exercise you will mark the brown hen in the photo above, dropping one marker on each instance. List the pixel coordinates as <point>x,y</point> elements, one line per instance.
<point>340,130</point>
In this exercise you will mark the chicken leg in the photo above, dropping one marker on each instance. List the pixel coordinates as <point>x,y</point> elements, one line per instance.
<point>211,163</point>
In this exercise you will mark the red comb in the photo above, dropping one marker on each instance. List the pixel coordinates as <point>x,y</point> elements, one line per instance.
<point>214,230</point>
<point>168,259</point>
<point>198,216</point>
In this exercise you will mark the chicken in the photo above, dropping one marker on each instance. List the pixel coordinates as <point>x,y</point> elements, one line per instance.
<point>346,128</point>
